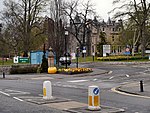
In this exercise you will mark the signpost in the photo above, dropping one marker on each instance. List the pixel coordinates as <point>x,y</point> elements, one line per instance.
<point>84,52</point>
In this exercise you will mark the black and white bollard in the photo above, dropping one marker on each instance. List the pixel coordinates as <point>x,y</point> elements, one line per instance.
<point>47,90</point>
<point>94,98</point>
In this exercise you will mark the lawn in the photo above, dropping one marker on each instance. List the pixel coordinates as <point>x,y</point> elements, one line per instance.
<point>8,62</point>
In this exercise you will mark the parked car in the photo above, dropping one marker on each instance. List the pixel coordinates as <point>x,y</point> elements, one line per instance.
<point>62,59</point>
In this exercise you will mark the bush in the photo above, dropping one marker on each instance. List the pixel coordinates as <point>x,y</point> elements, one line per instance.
<point>44,65</point>
<point>23,69</point>
<point>121,58</point>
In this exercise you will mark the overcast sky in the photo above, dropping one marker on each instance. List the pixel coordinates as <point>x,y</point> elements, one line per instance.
<point>102,7</point>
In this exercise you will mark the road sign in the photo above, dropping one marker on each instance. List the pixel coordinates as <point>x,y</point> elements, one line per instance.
<point>127,51</point>
<point>23,60</point>
<point>15,59</point>
<point>96,91</point>
<point>84,50</point>
<point>106,49</point>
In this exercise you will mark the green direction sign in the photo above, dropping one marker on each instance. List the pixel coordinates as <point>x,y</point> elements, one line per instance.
<point>23,60</point>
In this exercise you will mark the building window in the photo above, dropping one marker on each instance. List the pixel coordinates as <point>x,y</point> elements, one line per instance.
<point>113,39</point>
<point>103,29</point>
<point>119,49</point>
<point>113,49</point>
<point>119,29</point>
<point>92,48</point>
<point>119,38</point>
<point>113,29</point>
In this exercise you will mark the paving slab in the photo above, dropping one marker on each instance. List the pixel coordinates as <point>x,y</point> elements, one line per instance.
<point>66,105</point>
<point>77,107</point>
<point>69,105</point>
<point>41,101</point>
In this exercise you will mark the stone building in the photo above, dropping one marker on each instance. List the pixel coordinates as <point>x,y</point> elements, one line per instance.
<point>112,30</point>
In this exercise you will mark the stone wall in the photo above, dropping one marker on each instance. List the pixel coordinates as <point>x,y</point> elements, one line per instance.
<point>5,69</point>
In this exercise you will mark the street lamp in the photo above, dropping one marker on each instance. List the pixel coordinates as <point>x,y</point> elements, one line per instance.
<point>77,55</point>
<point>66,34</point>
<point>2,52</point>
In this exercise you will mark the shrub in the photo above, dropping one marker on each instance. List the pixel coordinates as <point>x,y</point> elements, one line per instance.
<point>121,58</point>
<point>44,65</point>
<point>23,69</point>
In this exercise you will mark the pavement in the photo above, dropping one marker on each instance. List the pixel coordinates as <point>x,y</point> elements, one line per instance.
<point>135,89</point>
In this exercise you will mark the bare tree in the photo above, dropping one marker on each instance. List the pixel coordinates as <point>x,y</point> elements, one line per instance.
<point>23,16</point>
<point>56,30</point>
<point>79,14</point>
<point>139,12</point>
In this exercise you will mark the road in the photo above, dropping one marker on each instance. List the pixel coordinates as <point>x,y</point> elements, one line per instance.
<point>76,89</point>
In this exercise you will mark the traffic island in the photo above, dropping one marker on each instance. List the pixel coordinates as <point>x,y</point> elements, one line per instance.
<point>41,101</point>
<point>104,109</point>
<point>78,107</point>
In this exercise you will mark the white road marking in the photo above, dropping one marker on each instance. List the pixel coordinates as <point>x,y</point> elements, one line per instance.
<point>21,93</point>
<point>111,77</point>
<point>75,81</point>
<point>127,75</point>
<point>40,95</point>
<point>110,72</point>
<point>70,86</point>
<point>61,85</point>
<point>13,92</point>
<point>94,79</point>
<point>4,93</point>
<point>18,99</point>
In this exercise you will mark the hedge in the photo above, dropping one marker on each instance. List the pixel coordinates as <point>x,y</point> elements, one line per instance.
<point>17,69</point>
<point>121,58</point>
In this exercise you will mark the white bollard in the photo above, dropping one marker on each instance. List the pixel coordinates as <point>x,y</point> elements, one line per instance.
<point>94,98</point>
<point>47,90</point>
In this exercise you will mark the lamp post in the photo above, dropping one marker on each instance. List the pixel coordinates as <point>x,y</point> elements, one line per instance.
<point>2,53</point>
<point>3,67</point>
<point>77,55</point>
<point>66,34</point>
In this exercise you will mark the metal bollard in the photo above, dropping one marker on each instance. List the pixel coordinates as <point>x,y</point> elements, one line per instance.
<point>47,90</point>
<point>94,98</point>
<point>93,58</point>
<point>141,86</point>
<point>3,74</point>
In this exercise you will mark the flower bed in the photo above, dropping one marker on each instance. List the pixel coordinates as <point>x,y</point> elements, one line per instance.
<point>74,70</point>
